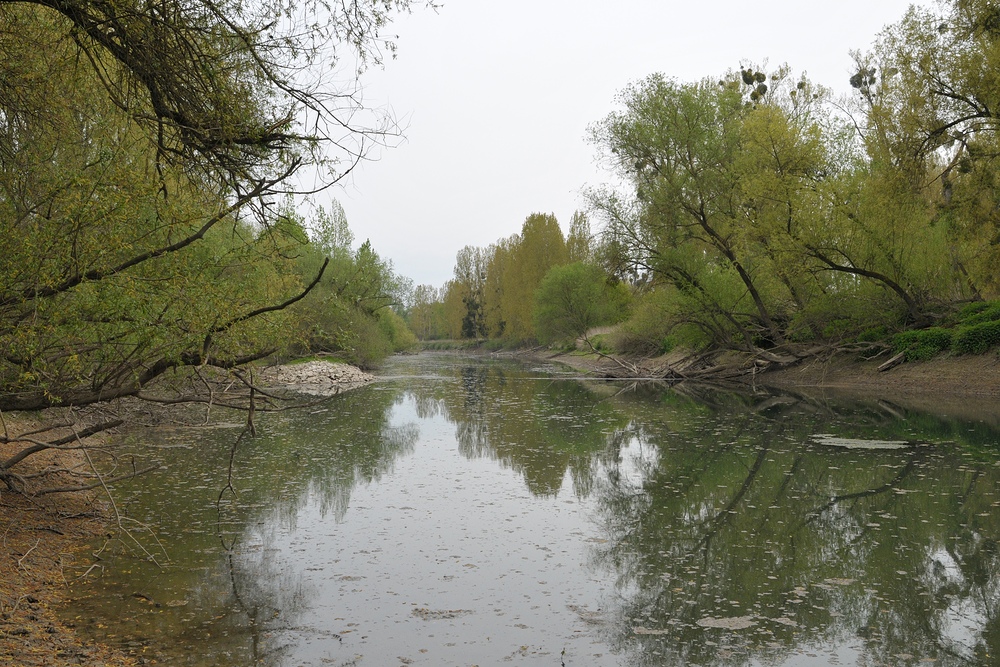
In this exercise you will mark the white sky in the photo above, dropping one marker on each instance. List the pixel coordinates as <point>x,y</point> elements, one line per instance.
<point>497,96</point>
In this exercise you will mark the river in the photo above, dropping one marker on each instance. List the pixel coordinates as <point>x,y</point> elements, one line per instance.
<point>479,511</point>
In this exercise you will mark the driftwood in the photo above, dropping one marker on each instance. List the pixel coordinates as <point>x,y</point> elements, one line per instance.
<point>707,367</point>
<point>892,363</point>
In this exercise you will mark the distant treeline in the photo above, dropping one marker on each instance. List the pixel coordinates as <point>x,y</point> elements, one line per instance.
<point>755,210</point>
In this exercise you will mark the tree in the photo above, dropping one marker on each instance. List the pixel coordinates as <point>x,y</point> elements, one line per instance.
<point>574,298</point>
<point>455,309</point>
<point>579,240</point>
<point>141,149</point>
<point>498,265</point>
<point>679,145</point>
<point>928,88</point>
<point>219,84</point>
<point>426,316</point>
<point>328,230</point>
<point>140,133</point>
<point>348,311</point>
<point>539,247</point>
<point>470,277</point>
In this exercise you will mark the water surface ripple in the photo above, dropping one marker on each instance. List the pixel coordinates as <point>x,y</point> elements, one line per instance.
<point>477,511</point>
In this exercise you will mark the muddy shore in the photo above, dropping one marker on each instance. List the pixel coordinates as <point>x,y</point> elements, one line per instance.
<point>46,541</point>
<point>962,386</point>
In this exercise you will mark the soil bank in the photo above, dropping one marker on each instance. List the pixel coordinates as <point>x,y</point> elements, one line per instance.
<point>964,386</point>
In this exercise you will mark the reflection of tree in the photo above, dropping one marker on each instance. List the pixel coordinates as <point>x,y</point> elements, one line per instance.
<point>540,428</point>
<point>232,597</point>
<point>740,515</point>
<point>321,457</point>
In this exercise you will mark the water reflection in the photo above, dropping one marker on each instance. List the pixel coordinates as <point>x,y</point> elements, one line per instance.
<point>749,540</point>
<point>218,587</point>
<point>527,421</point>
<point>468,511</point>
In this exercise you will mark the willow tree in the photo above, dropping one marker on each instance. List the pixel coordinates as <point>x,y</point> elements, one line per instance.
<point>142,147</point>
<point>930,86</point>
<point>683,218</point>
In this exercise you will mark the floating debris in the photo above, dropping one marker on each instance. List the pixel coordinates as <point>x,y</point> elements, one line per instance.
<point>857,443</point>
<point>586,615</point>
<point>732,623</point>
<point>438,614</point>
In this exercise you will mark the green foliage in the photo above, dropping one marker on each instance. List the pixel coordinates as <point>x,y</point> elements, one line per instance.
<point>539,247</point>
<point>426,316</point>
<point>977,338</point>
<point>874,335</point>
<point>838,317</point>
<point>720,189</point>
<point>574,298</point>
<point>395,329</point>
<point>976,330</point>
<point>984,312</point>
<point>364,343</point>
<point>492,293</point>
<point>656,325</point>
<point>776,221</point>
<point>137,182</point>
<point>349,312</point>
<point>922,344</point>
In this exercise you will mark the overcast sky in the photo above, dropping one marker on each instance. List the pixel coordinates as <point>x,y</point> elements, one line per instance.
<point>497,95</point>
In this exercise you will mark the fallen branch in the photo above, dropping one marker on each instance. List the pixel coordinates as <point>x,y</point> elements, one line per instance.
<point>100,482</point>
<point>21,559</point>
<point>666,372</point>
<point>39,446</point>
<point>892,363</point>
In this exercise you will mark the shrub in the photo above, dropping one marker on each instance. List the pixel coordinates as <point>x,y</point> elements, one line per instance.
<point>978,338</point>
<point>366,345</point>
<point>574,298</point>
<point>652,328</point>
<point>401,338</point>
<point>874,334</point>
<point>922,344</point>
<point>986,312</point>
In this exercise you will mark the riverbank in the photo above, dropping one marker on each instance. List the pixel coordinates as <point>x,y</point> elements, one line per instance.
<point>45,541</point>
<point>957,377</point>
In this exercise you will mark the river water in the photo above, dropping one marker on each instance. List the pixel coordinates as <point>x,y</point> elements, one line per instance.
<point>477,511</point>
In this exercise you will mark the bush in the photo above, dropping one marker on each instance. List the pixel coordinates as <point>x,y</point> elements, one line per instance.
<point>646,331</point>
<point>840,317</point>
<point>874,335</point>
<point>395,329</point>
<point>574,298</point>
<point>978,338</point>
<point>366,345</point>
<point>922,344</point>
<point>979,313</point>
